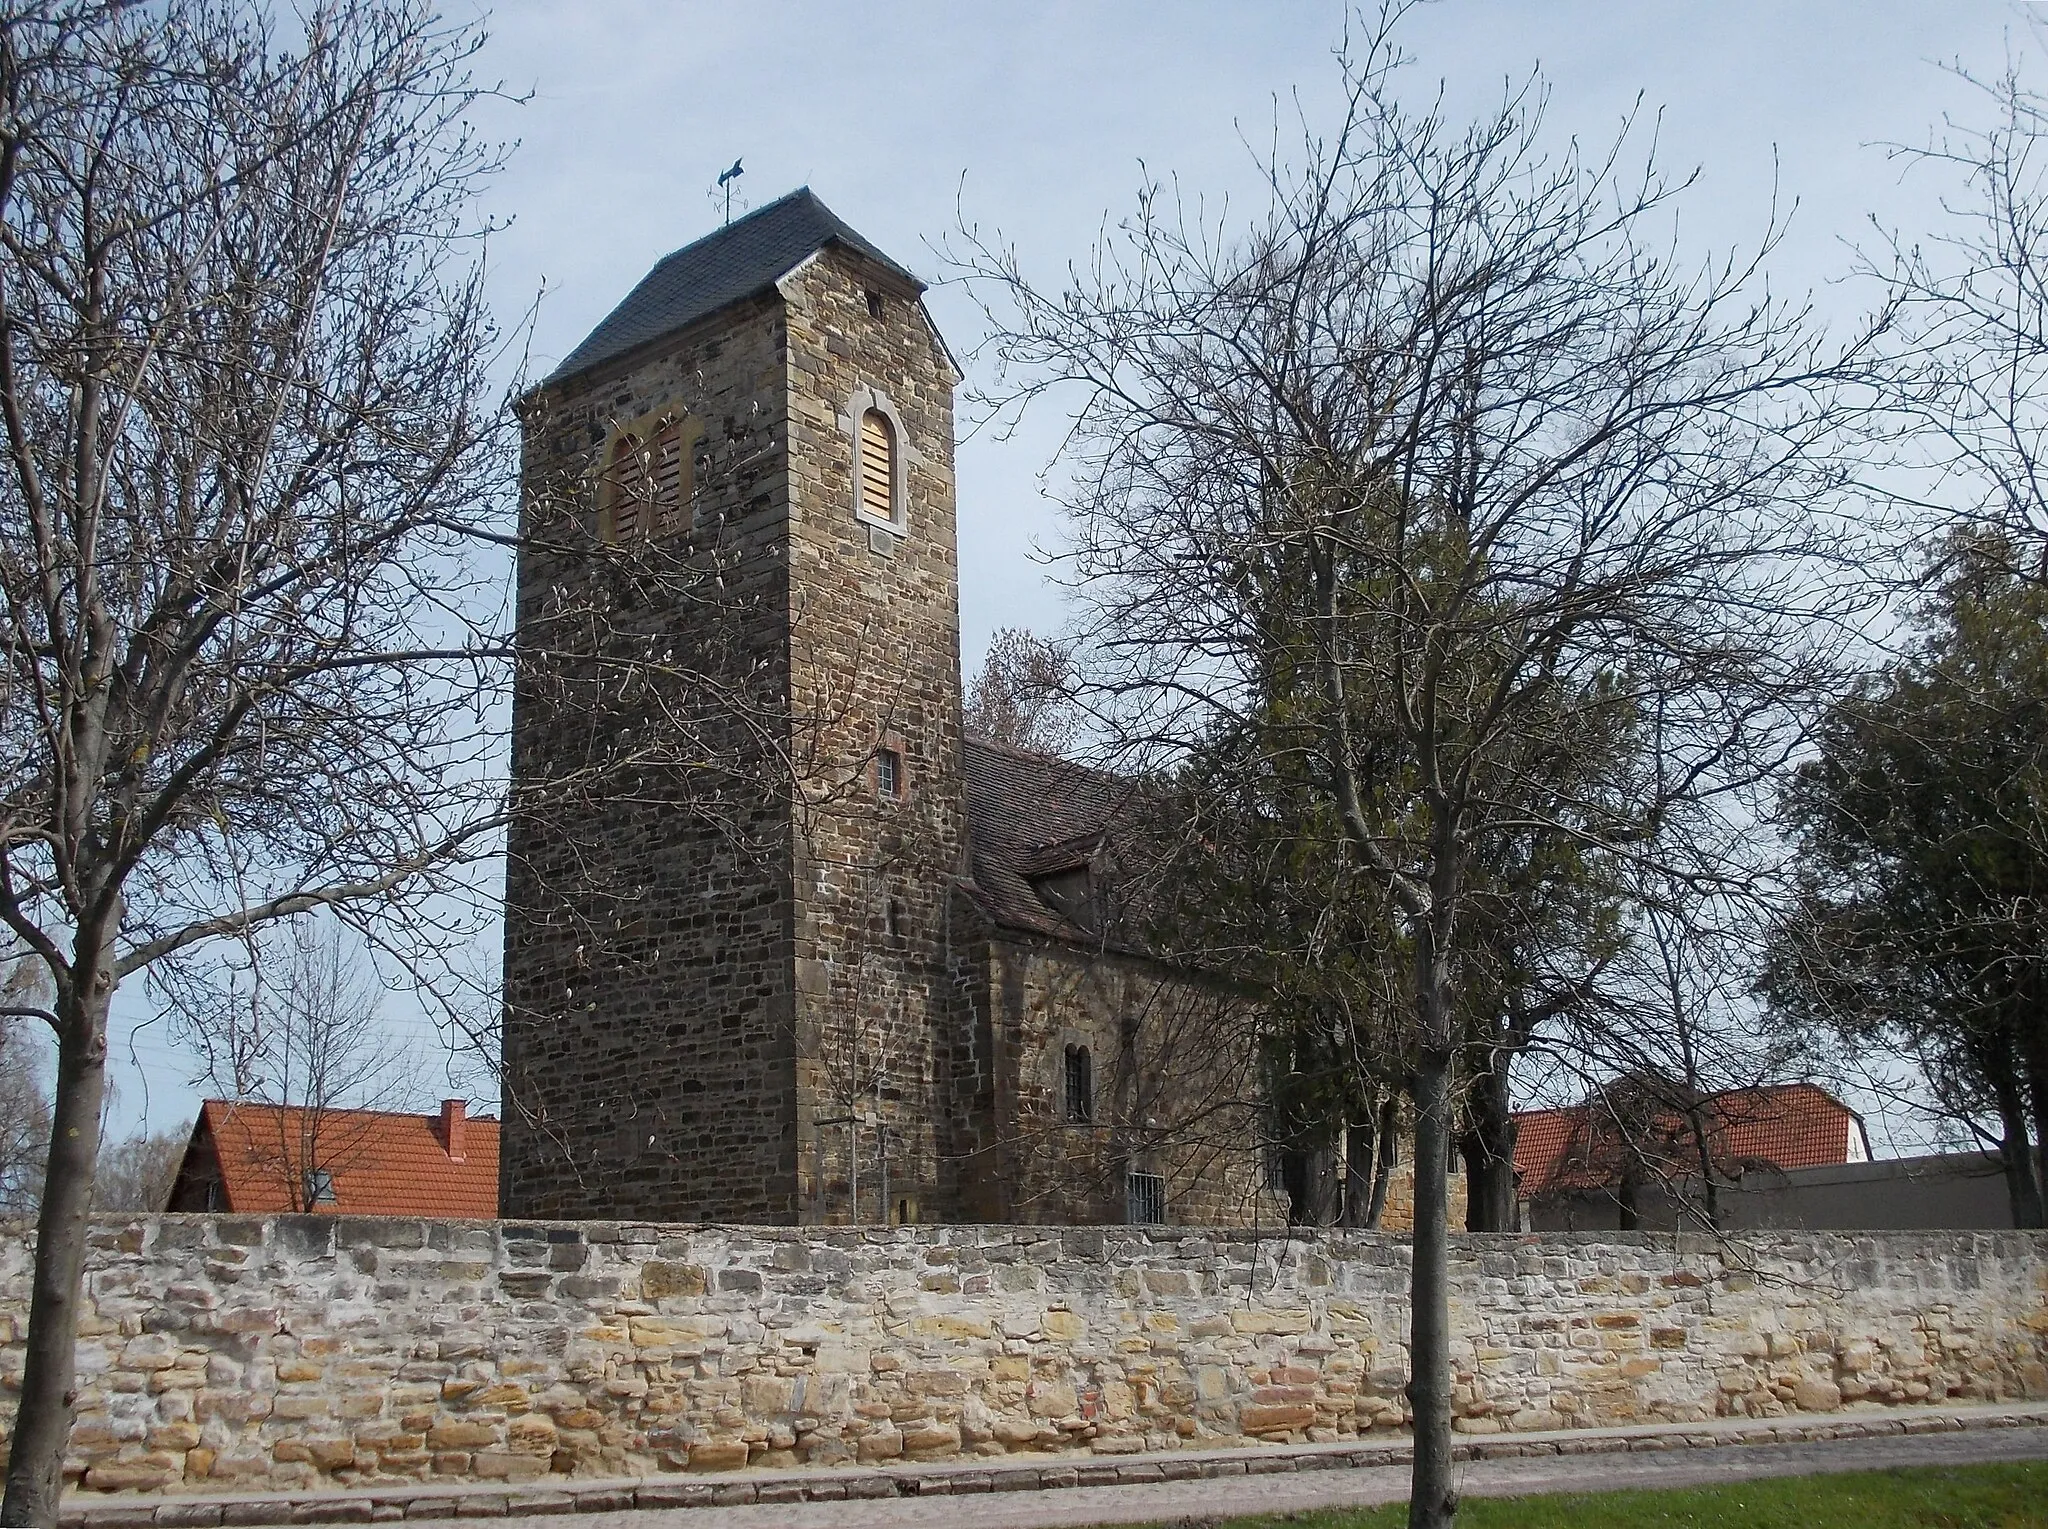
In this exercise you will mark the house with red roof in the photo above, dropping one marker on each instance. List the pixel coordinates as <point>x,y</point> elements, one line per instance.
<point>1640,1143</point>
<point>258,1159</point>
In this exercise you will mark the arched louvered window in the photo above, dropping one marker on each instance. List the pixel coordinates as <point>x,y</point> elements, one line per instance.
<point>878,465</point>
<point>647,482</point>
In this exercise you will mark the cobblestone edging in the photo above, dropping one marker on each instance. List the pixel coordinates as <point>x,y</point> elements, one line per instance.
<point>391,1504</point>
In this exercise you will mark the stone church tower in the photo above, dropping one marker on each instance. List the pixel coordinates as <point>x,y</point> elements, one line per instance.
<point>735,743</point>
<point>780,944</point>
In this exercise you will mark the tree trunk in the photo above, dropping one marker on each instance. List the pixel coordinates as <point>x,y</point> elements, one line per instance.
<point>1389,1139</point>
<point>1488,1145</point>
<point>1325,1178</point>
<point>1369,1150</point>
<point>1627,1208</point>
<point>1358,1164</point>
<point>2015,1151</point>
<point>1432,1498</point>
<point>49,1397</point>
<point>2037,1096</point>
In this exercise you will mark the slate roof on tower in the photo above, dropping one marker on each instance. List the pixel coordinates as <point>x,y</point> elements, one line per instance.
<point>741,260</point>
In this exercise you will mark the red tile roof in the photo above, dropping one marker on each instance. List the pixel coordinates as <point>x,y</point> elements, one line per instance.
<point>379,1163</point>
<point>1792,1125</point>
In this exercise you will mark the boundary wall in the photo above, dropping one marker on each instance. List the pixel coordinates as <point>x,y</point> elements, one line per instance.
<point>224,1353</point>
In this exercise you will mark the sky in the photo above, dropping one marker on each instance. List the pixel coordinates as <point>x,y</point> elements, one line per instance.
<point>1038,124</point>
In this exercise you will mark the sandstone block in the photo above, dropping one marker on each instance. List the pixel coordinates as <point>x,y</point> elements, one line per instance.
<point>954,1325</point>
<point>507,1465</point>
<point>1051,1398</point>
<point>931,1443</point>
<point>1275,1419</point>
<point>1272,1320</point>
<point>718,1455</point>
<point>1813,1394</point>
<point>661,1279</point>
<point>130,1478</point>
<point>1062,1326</point>
<point>881,1444</point>
<point>331,1454</point>
<point>461,1433</point>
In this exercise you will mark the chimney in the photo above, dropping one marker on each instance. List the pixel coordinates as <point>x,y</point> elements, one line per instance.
<point>452,1112</point>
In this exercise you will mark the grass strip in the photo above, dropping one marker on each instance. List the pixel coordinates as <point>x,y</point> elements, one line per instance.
<point>2004,1496</point>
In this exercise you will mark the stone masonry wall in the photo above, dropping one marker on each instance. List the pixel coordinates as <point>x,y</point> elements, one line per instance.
<point>1172,1090</point>
<point>222,1352</point>
<point>649,1054</point>
<point>874,663</point>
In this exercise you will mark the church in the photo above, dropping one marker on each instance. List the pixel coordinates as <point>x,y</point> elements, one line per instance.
<point>782,944</point>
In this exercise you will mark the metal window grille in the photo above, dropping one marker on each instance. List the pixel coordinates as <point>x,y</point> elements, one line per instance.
<point>1144,1199</point>
<point>889,773</point>
<point>1080,1085</point>
<point>1276,1166</point>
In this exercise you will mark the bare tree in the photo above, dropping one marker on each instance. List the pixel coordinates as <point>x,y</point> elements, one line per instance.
<point>1669,1053</point>
<point>298,1029</point>
<point>245,435</point>
<point>1449,440</point>
<point>24,1120</point>
<point>1972,304</point>
<point>1023,695</point>
<point>137,1172</point>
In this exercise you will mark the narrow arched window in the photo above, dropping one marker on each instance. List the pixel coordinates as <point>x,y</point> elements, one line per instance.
<point>1080,1079</point>
<point>625,490</point>
<point>878,465</point>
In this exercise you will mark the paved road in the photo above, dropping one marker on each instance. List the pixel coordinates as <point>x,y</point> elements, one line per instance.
<point>1199,1502</point>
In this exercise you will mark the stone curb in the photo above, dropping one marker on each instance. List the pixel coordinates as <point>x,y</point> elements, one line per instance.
<point>387,1504</point>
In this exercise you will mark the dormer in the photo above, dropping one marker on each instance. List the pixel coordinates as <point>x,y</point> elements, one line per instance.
<point>1067,878</point>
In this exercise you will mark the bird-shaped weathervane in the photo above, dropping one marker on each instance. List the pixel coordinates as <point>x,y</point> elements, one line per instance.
<point>725,180</point>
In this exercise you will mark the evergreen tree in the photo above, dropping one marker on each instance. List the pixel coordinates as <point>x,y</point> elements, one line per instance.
<point>1923,827</point>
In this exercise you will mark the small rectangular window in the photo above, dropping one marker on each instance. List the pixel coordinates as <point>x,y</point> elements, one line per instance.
<point>319,1187</point>
<point>899,918</point>
<point>1145,1199</point>
<point>888,774</point>
<point>874,305</point>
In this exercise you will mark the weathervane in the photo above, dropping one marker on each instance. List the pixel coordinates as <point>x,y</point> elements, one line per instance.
<point>725,180</point>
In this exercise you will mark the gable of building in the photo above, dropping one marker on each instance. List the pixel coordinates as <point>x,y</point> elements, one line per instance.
<point>259,1159</point>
